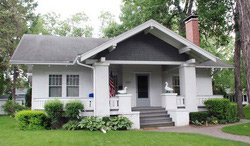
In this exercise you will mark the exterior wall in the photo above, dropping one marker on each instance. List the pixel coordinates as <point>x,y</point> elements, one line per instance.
<point>204,81</point>
<point>155,82</point>
<point>40,79</point>
<point>20,101</point>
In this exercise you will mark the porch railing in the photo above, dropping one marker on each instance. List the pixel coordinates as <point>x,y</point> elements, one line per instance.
<point>203,98</point>
<point>180,101</point>
<point>114,103</point>
<point>38,103</point>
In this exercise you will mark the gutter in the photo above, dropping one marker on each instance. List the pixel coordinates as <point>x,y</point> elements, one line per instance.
<point>91,67</point>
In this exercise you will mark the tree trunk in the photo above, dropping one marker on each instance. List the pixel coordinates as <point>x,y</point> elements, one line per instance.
<point>15,75</point>
<point>244,27</point>
<point>237,68</point>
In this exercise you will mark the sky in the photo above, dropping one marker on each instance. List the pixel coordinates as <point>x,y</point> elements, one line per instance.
<point>92,8</point>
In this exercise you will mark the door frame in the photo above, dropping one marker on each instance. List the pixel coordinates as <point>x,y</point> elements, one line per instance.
<point>149,82</point>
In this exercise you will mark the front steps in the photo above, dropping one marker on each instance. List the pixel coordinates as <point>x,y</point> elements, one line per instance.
<point>153,117</point>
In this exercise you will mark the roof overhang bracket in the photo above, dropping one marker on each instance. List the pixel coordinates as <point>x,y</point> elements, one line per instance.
<point>184,50</point>
<point>111,48</point>
<point>146,31</point>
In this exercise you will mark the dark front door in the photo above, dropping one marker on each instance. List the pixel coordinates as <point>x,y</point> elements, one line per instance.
<point>142,90</point>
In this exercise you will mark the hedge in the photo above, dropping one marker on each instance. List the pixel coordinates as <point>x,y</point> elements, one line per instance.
<point>73,109</point>
<point>54,109</point>
<point>31,120</point>
<point>199,116</point>
<point>222,109</point>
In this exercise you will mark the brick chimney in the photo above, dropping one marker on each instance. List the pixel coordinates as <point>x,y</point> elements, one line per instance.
<point>192,29</point>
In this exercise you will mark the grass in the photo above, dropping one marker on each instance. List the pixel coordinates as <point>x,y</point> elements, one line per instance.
<point>10,135</point>
<point>246,112</point>
<point>241,129</point>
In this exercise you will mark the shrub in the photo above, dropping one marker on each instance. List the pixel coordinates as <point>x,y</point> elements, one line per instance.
<point>10,107</point>
<point>31,120</point>
<point>54,110</point>
<point>196,122</point>
<point>73,109</point>
<point>212,120</point>
<point>71,125</point>
<point>118,123</point>
<point>92,123</point>
<point>198,116</point>
<point>222,109</point>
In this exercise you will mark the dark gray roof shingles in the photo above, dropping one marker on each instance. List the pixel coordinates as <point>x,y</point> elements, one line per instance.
<point>52,49</point>
<point>218,64</point>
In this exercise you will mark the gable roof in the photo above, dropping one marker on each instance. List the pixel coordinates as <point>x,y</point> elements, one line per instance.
<point>160,31</point>
<point>44,49</point>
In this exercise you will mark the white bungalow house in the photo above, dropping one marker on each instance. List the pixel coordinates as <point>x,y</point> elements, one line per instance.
<point>141,59</point>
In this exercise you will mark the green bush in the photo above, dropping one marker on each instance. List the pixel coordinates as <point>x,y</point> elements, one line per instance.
<point>222,109</point>
<point>118,123</point>
<point>92,123</point>
<point>31,120</point>
<point>71,125</point>
<point>10,107</point>
<point>106,123</point>
<point>54,109</point>
<point>73,109</point>
<point>198,116</point>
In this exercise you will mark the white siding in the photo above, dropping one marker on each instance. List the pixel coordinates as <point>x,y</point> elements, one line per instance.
<point>40,79</point>
<point>155,82</point>
<point>204,82</point>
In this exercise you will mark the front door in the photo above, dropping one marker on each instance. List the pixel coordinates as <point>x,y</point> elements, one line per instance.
<point>142,81</point>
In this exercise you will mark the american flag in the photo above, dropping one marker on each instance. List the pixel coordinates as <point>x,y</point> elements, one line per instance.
<point>111,86</point>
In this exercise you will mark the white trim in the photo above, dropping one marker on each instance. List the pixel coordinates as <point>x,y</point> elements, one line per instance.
<point>150,23</point>
<point>145,62</point>
<point>40,63</point>
<point>184,50</point>
<point>214,67</point>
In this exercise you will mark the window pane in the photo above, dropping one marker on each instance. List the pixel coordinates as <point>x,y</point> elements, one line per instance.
<point>55,91</point>
<point>72,91</point>
<point>72,85</point>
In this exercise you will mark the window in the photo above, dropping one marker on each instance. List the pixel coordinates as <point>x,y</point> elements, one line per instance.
<point>72,85</point>
<point>55,85</point>
<point>176,84</point>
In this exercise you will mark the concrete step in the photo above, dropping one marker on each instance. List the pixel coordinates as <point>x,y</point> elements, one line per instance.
<point>154,115</point>
<point>147,108</point>
<point>153,112</point>
<point>160,124</point>
<point>155,118</point>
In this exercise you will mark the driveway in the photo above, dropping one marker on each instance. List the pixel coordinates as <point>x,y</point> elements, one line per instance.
<point>210,131</point>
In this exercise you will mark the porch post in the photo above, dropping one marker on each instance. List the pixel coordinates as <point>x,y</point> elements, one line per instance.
<point>102,89</point>
<point>187,75</point>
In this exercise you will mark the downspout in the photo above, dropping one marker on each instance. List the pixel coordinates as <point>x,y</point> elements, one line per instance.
<point>91,67</point>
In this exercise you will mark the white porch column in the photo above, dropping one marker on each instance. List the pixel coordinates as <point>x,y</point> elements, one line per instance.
<point>102,89</point>
<point>187,75</point>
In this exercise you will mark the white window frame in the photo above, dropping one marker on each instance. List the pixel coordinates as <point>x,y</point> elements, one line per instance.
<point>55,85</point>
<point>72,85</point>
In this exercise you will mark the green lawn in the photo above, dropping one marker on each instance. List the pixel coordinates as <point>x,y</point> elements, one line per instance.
<point>246,112</point>
<point>10,135</point>
<point>241,129</point>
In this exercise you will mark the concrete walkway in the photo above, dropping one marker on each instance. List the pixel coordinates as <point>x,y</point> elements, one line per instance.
<point>210,131</point>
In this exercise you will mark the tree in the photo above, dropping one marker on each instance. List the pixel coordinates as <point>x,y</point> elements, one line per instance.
<point>52,24</point>
<point>106,19</point>
<point>243,7</point>
<point>15,17</point>
<point>237,66</point>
